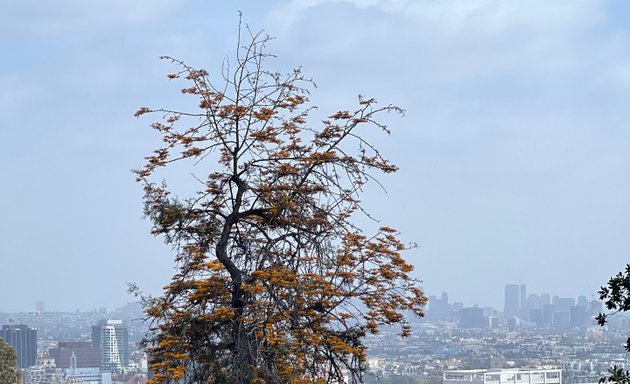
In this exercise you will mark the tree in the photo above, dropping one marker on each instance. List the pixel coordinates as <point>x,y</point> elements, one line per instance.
<point>9,372</point>
<point>616,297</point>
<point>276,283</point>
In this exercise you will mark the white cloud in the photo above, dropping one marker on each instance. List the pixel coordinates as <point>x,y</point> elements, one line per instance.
<point>450,39</point>
<point>512,151</point>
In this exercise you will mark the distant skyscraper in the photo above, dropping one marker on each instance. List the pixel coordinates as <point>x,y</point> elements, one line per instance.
<point>577,316</point>
<point>40,307</point>
<point>112,338</point>
<point>512,300</point>
<point>523,312</point>
<point>439,308</point>
<point>24,340</point>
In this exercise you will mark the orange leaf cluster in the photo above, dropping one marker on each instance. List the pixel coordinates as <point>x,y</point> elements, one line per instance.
<point>275,282</point>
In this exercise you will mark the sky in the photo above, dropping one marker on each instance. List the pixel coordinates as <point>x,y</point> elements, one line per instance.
<point>513,153</point>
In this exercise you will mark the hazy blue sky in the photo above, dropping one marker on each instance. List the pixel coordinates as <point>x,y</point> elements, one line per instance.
<point>514,152</point>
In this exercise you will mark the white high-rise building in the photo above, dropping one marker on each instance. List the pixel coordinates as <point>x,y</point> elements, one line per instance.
<point>112,338</point>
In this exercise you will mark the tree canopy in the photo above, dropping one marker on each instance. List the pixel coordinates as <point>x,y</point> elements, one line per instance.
<point>275,282</point>
<point>9,372</point>
<point>616,297</point>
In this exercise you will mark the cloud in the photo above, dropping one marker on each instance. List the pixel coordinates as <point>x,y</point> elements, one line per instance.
<point>512,151</point>
<point>451,39</point>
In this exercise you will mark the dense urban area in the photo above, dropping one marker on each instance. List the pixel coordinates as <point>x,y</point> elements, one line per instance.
<point>534,334</point>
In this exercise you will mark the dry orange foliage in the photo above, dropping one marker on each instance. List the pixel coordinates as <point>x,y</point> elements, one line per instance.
<point>275,282</point>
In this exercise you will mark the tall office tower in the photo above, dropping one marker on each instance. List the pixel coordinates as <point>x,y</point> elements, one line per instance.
<point>40,307</point>
<point>24,340</point>
<point>112,338</point>
<point>512,300</point>
<point>524,314</point>
<point>440,308</point>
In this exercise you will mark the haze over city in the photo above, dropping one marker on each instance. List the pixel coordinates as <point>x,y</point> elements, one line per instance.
<point>513,152</point>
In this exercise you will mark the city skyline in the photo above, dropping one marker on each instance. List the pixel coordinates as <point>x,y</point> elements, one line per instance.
<point>520,305</point>
<point>38,305</point>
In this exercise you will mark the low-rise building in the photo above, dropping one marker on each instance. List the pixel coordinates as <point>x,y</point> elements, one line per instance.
<point>503,376</point>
